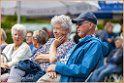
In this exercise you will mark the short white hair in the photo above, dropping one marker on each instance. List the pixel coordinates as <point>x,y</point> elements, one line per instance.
<point>19,27</point>
<point>64,21</point>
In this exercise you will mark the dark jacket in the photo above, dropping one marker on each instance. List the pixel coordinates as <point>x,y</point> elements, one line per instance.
<point>116,57</point>
<point>105,35</point>
<point>32,70</point>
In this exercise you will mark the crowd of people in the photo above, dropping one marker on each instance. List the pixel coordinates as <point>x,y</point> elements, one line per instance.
<point>88,57</point>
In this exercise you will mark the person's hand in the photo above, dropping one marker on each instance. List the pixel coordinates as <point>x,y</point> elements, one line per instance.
<point>4,65</point>
<point>52,75</point>
<point>51,68</point>
<point>109,40</point>
<point>58,41</point>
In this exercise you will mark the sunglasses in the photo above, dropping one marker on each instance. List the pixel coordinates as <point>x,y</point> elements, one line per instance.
<point>82,22</point>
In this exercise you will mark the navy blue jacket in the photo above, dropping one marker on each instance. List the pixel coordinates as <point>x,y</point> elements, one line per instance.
<point>117,60</point>
<point>105,35</point>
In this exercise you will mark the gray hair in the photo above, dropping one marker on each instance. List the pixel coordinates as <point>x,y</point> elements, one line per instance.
<point>3,34</point>
<point>41,36</point>
<point>19,27</point>
<point>63,20</point>
<point>118,38</point>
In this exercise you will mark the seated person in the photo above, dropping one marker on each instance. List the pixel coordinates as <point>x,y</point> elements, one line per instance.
<point>29,35</point>
<point>84,56</point>
<point>61,28</point>
<point>114,63</point>
<point>3,43</point>
<point>108,35</point>
<point>16,51</point>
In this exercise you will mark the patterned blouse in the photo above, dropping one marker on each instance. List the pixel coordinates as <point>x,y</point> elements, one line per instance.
<point>61,52</point>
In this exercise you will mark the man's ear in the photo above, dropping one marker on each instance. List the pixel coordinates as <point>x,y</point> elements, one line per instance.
<point>91,25</point>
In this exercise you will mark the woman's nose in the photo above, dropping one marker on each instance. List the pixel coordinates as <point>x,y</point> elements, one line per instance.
<point>54,31</point>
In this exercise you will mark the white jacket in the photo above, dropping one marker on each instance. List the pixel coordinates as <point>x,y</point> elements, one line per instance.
<point>23,52</point>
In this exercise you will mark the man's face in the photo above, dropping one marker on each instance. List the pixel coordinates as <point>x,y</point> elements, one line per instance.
<point>83,28</point>
<point>58,31</point>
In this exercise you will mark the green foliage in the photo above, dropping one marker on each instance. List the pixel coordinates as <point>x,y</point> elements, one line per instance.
<point>6,25</point>
<point>9,37</point>
<point>8,22</point>
<point>100,26</point>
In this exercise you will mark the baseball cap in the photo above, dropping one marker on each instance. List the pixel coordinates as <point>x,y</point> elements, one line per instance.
<point>89,16</point>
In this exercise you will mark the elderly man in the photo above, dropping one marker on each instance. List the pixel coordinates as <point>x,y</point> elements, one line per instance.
<point>85,56</point>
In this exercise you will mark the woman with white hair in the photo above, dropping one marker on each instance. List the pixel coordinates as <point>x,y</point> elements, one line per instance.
<point>18,50</point>
<point>3,37</point>
<point>61,28</point>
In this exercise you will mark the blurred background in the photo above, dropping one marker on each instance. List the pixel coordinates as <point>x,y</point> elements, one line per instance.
<point>37,14</point>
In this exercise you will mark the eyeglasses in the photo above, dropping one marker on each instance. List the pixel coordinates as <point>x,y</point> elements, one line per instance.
<point>28,36</point>
<point>80,23</point>
<point>16,35</point>
<point>35,37</point>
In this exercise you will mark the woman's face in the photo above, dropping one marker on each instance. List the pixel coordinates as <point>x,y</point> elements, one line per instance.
<point>34,40</point>
<point>29,38</point>
<point>17,38</point>
<point>59,31</point>
<point>118,43</point>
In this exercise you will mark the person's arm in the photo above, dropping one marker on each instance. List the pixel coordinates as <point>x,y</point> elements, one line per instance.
<point>83,69</point>
<point>51,57</point>
<point>42,58</point>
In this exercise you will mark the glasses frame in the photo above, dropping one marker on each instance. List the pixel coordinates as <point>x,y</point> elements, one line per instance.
<point>82,22</point>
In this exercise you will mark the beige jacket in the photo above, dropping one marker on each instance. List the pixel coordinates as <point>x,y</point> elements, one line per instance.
<point>23,52</point>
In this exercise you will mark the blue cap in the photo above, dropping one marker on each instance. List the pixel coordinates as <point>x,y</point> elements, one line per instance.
<point>89,16</point>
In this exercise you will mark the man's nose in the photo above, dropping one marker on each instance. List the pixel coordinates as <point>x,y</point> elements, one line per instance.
<point>77,26</point>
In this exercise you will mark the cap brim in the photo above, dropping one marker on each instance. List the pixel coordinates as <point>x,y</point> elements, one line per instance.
<point>76,21</point>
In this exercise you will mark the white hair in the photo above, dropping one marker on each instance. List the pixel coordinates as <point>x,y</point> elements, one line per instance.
<point>19,27</point>
<point>63,20</point>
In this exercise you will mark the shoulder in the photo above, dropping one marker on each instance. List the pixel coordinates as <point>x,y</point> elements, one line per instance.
<point>95,40</point>
<point>9,46</point>
<point>69,42</point>
<point>24,46</point>
<point>50,40</point>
